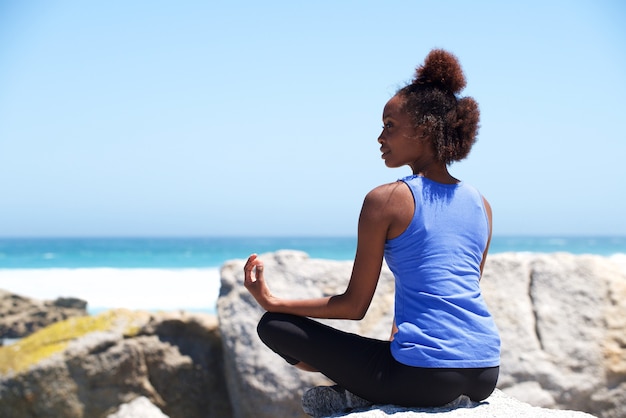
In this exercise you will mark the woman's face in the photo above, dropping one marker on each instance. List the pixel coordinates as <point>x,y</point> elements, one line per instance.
<point>400,142</point>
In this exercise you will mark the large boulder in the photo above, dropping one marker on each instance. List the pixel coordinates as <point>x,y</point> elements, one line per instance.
<point>562,320</point>
<point>88,367</point>
<point>260,383</point>
<point>21,315</point>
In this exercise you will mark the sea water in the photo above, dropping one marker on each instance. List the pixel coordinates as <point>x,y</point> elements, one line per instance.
<point>183,273</point>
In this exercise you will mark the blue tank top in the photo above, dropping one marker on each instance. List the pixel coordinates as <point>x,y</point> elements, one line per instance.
<point>442,319</point>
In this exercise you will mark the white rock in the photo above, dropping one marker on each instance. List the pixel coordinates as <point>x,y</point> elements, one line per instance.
<point>498,405</point>
<point>140,407</point>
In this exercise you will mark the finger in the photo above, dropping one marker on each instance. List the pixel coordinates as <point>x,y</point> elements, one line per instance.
<point>253,264</point>
<point>247,268</point>
<point>259,270</point>
<point>249,262</point>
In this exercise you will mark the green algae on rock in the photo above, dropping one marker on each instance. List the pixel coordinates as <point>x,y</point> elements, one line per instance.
<point>18,357</point>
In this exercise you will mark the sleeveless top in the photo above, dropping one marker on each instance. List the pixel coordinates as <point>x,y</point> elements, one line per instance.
<point>442,319</point>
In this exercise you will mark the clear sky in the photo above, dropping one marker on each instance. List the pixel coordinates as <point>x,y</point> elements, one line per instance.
<point>180,118</point>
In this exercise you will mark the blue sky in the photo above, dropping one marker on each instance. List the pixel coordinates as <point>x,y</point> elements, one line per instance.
<point>162,118</point>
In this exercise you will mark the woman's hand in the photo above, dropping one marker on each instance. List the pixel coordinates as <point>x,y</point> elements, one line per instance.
<point>255,282</point>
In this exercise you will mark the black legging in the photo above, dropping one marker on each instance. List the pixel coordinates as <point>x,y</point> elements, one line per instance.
<point>365,366</point>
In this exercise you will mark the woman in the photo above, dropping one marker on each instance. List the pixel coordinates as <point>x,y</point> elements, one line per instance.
<point>434,232</point>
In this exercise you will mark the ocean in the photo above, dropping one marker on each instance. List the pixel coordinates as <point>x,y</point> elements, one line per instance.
<point>183,273</point>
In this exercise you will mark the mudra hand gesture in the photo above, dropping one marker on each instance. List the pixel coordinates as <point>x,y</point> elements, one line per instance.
<point>255,282</point>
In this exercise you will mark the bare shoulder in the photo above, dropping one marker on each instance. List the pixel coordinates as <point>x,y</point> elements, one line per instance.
<point>387,199</point>
<point>386,193</point>
<point>390,207</point>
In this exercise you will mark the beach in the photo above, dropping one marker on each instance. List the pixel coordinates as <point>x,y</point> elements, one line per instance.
<point>107,288</point>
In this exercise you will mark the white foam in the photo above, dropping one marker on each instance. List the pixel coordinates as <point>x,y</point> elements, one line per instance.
<point>107,288</point>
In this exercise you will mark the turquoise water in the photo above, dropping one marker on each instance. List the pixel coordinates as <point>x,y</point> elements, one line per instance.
<point>157,252</point>
<point>213,252</point>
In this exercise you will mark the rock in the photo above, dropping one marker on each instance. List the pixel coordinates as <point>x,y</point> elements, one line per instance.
<point>88,367</point>
<point>71,303</point>
<point>562,320</point>
<point>260,383</point>
<point>497,405</point>
<point>21,316</point>
<point>140,407</point>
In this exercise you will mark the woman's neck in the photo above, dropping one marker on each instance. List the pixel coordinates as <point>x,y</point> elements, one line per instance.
<point>438,173</point>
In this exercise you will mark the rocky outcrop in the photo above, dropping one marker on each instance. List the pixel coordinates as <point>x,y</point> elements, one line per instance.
<point>562,320</point>
<point>21,316</point>
<point>88,367</point>
<point>497,405</point>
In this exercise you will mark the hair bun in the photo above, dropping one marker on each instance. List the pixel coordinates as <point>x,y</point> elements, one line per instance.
<point>443,69</point>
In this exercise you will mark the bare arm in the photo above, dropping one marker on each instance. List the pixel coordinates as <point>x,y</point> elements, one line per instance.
<point>374,223</point>
<point>489,218</point>
<point>394,329</point>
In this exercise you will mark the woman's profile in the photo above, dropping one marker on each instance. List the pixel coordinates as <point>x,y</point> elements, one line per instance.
<point>433,231</point>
